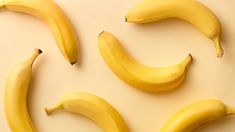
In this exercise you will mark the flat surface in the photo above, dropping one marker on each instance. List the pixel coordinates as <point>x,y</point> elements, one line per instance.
<point>159,44</point>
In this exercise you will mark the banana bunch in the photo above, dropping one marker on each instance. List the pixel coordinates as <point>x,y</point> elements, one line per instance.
<point>138,75</point>
<point>48,11</point>
<point>16,92</point>
<point>93,107</point>
<point>196,114</point>
<point>129,70</point>
<point>190,11</point>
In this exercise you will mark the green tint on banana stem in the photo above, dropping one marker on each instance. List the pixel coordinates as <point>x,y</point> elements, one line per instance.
<point>143,77</point>
<point>191,11</point>
<point>93,107</point>
<point>60,26</point>
<point>16,92</point>
<point>197,114</point>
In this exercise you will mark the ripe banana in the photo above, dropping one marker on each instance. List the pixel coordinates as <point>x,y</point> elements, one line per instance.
<point>59,24</point>
<point>17,86</point>
<point>196,114</point>
<point>190,11</point>
<point>94,108</point>
<point>143,77</point>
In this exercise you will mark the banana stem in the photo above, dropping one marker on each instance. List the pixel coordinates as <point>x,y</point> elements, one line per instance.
<point>50,110</point>
<point>218,48</point>
<point>126,20</point>
<point>187,60</point>
<point>34,55</point>
<point>101,33</point>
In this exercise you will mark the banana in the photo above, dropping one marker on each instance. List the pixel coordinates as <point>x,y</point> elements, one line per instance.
<point>190,11</point>
<point>17,86</point>
<point>196,114</point>
<point>92,107</point>
<point>48,11</point>
<point>140,76</point>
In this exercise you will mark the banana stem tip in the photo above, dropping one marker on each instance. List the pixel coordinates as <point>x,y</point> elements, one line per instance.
<point>220,54</point>
<point>72,63</point>
<point>35,54</point>
<point>50,110</point>
<point>219,50</point>
<point>188,60</point>
<point>101,33</point>
<point>190,57</point>
<point>38,50</point>
<point>126,20</point>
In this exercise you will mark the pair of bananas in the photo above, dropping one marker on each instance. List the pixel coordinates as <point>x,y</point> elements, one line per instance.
<point>122,64</point>
<point>86,104</point>
<point>144,12</point>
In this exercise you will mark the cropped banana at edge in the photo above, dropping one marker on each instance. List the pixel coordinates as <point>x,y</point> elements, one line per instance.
<point>16,92</point>
<point>140,76</point>
<point>59,24</point>
<point>196,114</point>
<point>190,11</point>
<point>92,107</point>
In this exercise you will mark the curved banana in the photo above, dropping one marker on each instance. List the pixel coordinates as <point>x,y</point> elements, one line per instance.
<point>196,114</point>
<point>59,24</point>
<point>190,11</point>
<point>143,77</point>
<point>16,107</point>
<point>94,108</point>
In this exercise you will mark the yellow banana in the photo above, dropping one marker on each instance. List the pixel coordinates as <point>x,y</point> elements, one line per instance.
<point>190,11</point>
<point>60,26</point>
<point>196,114</point>
<point>143,77</point>
<point>17,86</point>
<point>94,108</point>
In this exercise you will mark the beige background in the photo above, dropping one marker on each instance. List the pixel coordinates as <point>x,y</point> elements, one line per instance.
<point>159,44</point>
